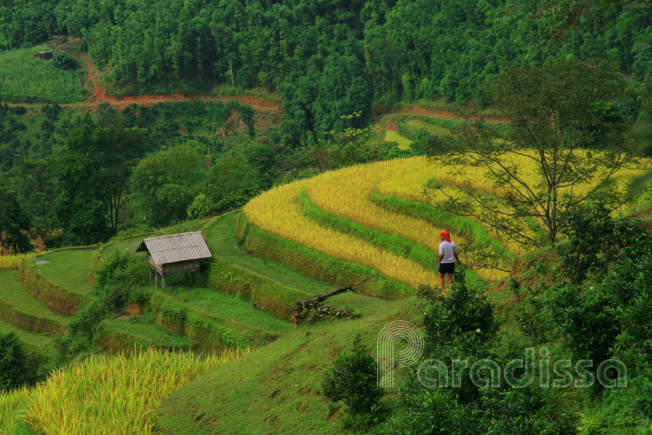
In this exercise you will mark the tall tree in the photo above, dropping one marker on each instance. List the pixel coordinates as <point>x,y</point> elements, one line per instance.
<point>36,189</point>
<point>94,173</point>
<point>13,221</point>
<point>165,184</point>
<point>563,122</point>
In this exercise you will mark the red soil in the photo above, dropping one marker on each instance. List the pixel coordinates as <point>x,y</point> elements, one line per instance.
<point>263,108</point>
<point>418,109</point>
<point>98,95</point>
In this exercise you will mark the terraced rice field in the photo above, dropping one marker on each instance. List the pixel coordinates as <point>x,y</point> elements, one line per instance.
<point>278,212</point>
<point>221,240</point>
<point>23,311</point>
<point>113,395</point>
<point>68,269</point>
<point>433,129</point>
<point>223,243</point>
<point>38,342</point>
<point>403,142</point>
<point>352,200</point>
<point>364,194</point>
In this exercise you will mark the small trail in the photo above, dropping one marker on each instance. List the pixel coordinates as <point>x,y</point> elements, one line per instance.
<point>98,95</point>
<point>427,112</point>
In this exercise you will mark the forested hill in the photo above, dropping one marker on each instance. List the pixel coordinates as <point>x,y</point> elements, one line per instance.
<point>330,57</point>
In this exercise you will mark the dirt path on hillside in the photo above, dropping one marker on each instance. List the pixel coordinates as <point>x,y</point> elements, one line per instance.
<point>98,95</point>
<point>427,112</point>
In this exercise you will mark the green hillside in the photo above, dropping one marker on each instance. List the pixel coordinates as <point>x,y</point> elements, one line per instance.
<point>23,310</point>
<point>277,388</point>
<point>25,79</point>
<point>334,156</point>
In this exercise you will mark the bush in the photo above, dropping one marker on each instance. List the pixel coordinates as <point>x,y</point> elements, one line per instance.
<point>466,313</point>
<point>15,367</point>
<point>353,381</point>
<point>534,320</point>
<point>492,410</point>
<point>614,310</point>
<point>117,285</point>
<point>422,411</point>
<point>595,240</point>
<point>201,207</point>
<point>64,60</point>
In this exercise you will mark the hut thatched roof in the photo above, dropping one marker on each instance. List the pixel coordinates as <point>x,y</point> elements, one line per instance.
<point>176,247</point>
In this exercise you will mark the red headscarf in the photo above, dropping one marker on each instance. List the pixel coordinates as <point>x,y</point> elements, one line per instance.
<point>446,235</point>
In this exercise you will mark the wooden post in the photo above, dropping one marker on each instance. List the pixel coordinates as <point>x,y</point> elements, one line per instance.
<point>150,275</point>
<point>156,273</point>
<point>163,277</point>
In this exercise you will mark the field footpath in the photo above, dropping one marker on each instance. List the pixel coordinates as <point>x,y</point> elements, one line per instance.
<point>98,95</point>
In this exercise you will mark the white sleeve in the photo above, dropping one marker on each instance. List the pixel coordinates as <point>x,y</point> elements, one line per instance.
<point>441,249</point>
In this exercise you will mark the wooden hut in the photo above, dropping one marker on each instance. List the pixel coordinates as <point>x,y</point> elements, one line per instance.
<point>44,55</point>
<point>59,39</point>
<point>176,253</point>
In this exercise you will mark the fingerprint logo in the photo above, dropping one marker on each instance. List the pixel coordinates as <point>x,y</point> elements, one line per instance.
<point>390,334</point>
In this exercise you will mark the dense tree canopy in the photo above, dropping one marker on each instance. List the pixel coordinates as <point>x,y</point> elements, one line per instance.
<point>93,175</point>
<point>166,183</point>
<point>14,222</point>
<point>332,58</point>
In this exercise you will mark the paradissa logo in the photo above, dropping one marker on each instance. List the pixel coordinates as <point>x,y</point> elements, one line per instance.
<point>520,373</point>
<point>484,373</point>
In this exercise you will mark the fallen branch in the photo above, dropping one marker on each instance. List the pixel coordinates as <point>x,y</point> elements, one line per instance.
<point>308,304</point>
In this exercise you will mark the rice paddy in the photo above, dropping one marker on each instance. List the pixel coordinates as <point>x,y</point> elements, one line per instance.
<point>105,395</point>
<point>358,199</point>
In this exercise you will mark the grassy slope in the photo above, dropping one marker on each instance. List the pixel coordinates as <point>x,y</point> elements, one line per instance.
<point>276,389</point>
<point>12,293</point>
<point>231,311</point>
<point>38,342</point>
<point>433,129</point>
<point>25,79</point>
<point>403,142</point>
<point>221,240</point>
<point>68,269</point>
<point>142,333</point>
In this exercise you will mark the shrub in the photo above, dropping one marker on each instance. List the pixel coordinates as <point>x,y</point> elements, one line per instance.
<point>64,60</point>
<point>15,367</point>
<point>200,207</point>
<point>465,313</point>
<point>597,315</point>
<point>422,411</point>
<point>596,240</point>
<point>533,318</point>
<point>353,381</point>
<point>117,285</point>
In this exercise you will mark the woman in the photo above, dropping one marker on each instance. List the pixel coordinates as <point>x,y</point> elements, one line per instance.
<point>447,257</point>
